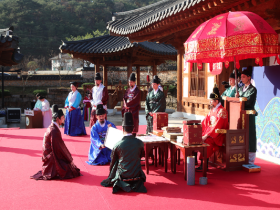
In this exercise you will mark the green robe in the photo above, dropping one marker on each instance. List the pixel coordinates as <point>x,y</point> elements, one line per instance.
<point>154,103</point>
<point>229,93</point>
<point>125,164</point>
<point>251,95</point>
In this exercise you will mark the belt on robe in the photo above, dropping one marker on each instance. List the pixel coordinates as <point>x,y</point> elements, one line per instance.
<point>131,179</point>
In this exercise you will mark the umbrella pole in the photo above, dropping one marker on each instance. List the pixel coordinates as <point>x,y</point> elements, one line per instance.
<point>235,72</point>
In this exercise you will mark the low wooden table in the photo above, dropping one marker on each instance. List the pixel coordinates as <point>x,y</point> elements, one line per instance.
<point>187,151</point>
<point>149,145</point>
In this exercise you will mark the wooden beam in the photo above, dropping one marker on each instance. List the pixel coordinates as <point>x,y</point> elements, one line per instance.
<point>138,75</point>
<point>180,57</point>
<point>154,66</point>
<point>129,67</point>
<point>105,77</point>
<point>96,66</point>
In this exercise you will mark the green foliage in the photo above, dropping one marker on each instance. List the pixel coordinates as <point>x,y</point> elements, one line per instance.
<point>84,84</point>
<point>125,87</point>
<point>172,89</point>
<point>32,65</point>
<point>96,33</point>
<point>42,92</point>
<point>164,87</point>
<point>6,93</point>
<point>42,24</point>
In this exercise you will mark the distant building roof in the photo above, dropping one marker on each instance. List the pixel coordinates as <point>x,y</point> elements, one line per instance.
<point>43,77</point>
<point>65,56</point>
<point>135,20</point>
<point>110,44</point>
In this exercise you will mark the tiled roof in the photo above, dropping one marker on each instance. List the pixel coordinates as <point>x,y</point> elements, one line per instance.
<point>110,44</point>
<point>132,21</point>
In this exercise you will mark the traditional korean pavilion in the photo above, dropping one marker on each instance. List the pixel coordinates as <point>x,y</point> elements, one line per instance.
<point>9,52</point>
<point>119,51</point>
<point>172,22</point>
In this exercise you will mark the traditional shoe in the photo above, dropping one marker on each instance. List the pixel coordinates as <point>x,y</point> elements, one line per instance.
<point>199,169</point>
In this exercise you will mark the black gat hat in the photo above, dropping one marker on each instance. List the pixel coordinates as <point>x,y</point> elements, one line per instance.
<point>215,94</point>
<point>100,110</point>
<point>127,119</point>
<point>132,77</point>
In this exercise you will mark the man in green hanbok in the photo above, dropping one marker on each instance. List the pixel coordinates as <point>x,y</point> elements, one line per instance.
<point>250,92</point>
<point>155,102</point>
<point>125,169</point>
<point>231,90</point>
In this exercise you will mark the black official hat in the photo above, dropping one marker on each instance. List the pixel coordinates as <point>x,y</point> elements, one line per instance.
<point>41,97</point>
<point>127,119</point>
<point>100,110</point>
<point>156,80</point>
<point>132,77</point>
<point>38,94</point>
<point>74,83</point>
<point>97,76</point>
<point>215,94</point>
<point>232,75</point>
<point>56,112</point>
<point>247,71</point>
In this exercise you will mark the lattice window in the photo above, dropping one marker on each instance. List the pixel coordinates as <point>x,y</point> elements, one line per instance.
<point>197,81</point>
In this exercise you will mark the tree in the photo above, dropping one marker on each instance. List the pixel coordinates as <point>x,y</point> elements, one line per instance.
<point>94,34</point>
<point>32,65</point>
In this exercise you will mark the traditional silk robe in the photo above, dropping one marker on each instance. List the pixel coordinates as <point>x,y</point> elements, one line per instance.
<point>154,103</point>
<point>87,108</point>
<point>99,96</point>
<point>56,157</point>
<point>217,118</point>
<point>97,156</point>
<point>74,120</point>
<point>251,94</point>
<point>125,164</point>
<point>38,105</point>
<point>229,92</point>
<point>131,103</point>
<point>47,113</point>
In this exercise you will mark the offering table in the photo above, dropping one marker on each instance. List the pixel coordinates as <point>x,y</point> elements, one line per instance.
<point>151,142</point>
<point>187,151</point>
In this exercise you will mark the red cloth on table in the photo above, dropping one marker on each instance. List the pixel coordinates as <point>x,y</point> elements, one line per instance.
<point>216,119</point>
<point>131,103</point>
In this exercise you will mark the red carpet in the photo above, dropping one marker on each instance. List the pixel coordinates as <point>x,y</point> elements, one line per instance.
<point>20,156</point>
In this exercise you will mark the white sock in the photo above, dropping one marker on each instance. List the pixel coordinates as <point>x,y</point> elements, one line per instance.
<point>252,157</point>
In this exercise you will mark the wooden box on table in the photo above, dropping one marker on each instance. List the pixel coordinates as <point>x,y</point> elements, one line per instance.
<point>192,131</point>
<point>160,119</point>
<point>33,119</point>
<point>158,132</point>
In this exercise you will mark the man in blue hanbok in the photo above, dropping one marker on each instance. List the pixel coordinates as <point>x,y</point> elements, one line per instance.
<point>98,153</point>
<point>74,120</point>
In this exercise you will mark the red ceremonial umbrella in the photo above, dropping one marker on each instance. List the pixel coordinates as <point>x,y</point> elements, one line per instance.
<point>232,36</point>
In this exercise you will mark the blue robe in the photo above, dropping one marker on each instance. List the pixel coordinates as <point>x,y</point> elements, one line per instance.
<point>97,137</point>
<point>38,105</point>
<point>74,120</point>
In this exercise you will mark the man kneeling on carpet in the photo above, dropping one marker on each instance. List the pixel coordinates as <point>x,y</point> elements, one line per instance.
<point>125,169</point>
<point>57,160</point>
<point>99,154</point>
<point>216,119</point>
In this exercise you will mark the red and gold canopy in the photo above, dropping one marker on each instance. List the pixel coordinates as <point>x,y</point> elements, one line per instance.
<point>232,36</point>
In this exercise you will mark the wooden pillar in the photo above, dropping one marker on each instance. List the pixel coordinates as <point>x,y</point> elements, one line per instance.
<point>180,57</point>
<point>96,66</point>
<point>129,67</point>
<point>138,75</point>
<point>154,69</point>
<point>105,76</point>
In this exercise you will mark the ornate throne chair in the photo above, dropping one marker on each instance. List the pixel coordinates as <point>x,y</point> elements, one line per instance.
<point>235,150</point>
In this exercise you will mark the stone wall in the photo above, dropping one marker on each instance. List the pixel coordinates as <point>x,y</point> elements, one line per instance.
<point>39,83</point>
<point>56,96</point>
<point>165,76</point>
